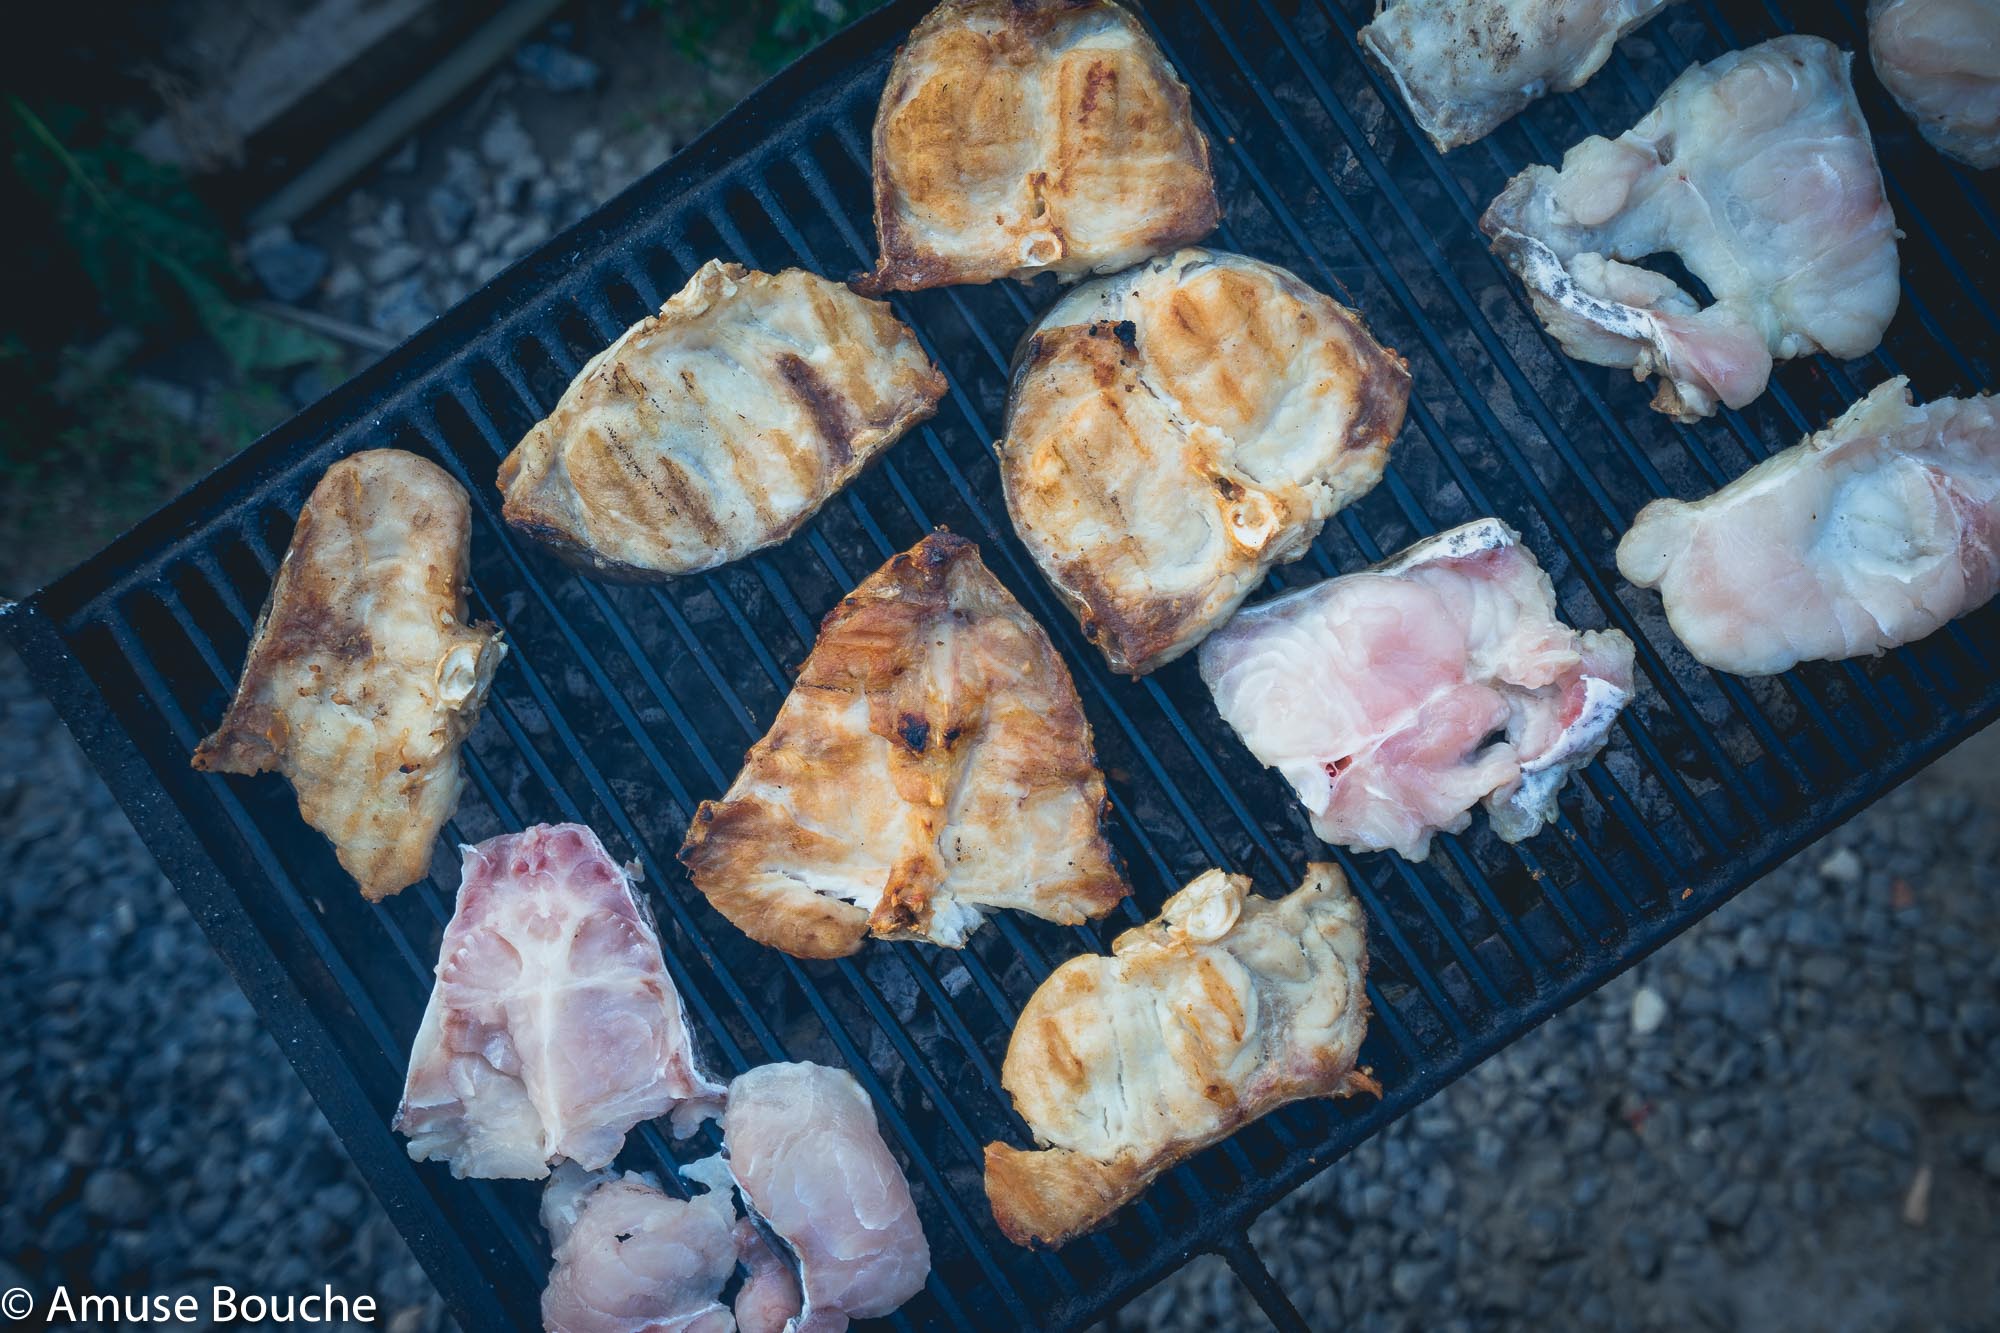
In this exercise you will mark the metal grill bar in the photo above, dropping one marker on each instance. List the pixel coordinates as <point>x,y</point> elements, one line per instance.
<point>624,707</point>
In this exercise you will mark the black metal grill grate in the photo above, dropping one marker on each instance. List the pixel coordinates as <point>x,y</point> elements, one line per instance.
<point>622,707</point>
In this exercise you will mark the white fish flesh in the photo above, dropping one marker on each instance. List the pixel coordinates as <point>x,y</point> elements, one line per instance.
<point>1221,1009</point>
<point>1758,171</point>
<point>1940,60</point>
<point>1872,533</point>
<point>1395,699</point>
<point>553,1027</point>
<point>809,1160</point>
<point>1467,66</point>
<point>630,1259</point>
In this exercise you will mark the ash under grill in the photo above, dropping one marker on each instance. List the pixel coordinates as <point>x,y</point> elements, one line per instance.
<point>623,707</point>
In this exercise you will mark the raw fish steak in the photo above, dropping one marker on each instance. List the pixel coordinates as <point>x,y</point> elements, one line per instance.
<point>1940,59</point>
<point>553,1027</point>
<point>630,1259</point>
<point>1396,699</point>
<point>809,1160</point>
<point>1872,533</point>
<point>1758,171</point>
<point>1466,66</point>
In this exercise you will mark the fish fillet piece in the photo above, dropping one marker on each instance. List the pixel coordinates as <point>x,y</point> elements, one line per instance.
<point>1223,1008</point>
<point>769,1298</point>
<point>364,677</point>
<point>1758,171</point>
<point>1022,136</point>
<point>1468,66</point>
<point>719,425</point>
<point>1395,699</point>
<point>807,1155</point>
<point>631,1259</point>
<point>1940,60</point>
<point>553,1027</point>
<point>932,762</point>
<point>1176,430</point>
<point>1874,532</point>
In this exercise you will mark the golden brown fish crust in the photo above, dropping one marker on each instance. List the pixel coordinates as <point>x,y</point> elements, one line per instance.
<point>1176,430</point>
<point>363,677</point>
<point>719,425</point>
<point>1017,136</point>
<point>931,762</point>
<point>1223,1008</point>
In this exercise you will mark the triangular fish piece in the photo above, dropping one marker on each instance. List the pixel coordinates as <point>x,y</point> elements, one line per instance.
<point>933,761</point>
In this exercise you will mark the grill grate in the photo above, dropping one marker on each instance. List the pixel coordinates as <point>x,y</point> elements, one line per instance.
<point>622,707</point>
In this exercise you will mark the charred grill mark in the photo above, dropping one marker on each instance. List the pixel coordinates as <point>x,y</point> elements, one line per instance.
<point>828,409</point>
<point>1099,81</point>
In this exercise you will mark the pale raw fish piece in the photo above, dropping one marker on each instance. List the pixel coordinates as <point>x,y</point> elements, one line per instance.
<point>1467,66</point>
<point>769,1298</point>
<point>1395,699</point>
<point>1872,533</point>
<point>809,1160</point>
<point>630,1259</point>
<point>1758,171</point>
<point>1940,60</point>
<point>553,1027</point>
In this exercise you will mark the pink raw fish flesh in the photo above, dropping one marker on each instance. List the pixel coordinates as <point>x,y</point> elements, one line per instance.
<point>806,1153</point>
<point>553,1027</point>
<point>629,1259</point>
<point>1872,533</point>
<point>1758,171</point>
<point>1395,699</point>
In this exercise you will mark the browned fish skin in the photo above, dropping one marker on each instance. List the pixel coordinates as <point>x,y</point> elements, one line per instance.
<point>1176,430</point>
<point>1016,136</point>
<point>363,677</point>
<point>719,425</point>
<point>1221,1009</point>
<point>932,761</point>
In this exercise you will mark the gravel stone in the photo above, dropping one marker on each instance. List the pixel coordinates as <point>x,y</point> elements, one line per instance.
<point>1649,1010</point>
<point>449,210</point>
<point>505,141</point>
<point>556,70</point>
<point>288,269</point>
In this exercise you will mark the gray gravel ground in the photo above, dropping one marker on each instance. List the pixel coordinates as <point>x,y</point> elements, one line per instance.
<point>155,1140</point>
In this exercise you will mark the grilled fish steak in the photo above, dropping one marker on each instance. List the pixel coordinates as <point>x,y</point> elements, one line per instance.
<point>1757,170</point>
<point>1021,136</point>
<point>1871,533</point>
<point>809,1159</point>
<point>931,762</point>
<point>1940,60</point>
<point>553,1027</point>
<point>1395,699</point>
<point>1225,1007</point>
<point>363,677</point>
<point>718,426</point>
<point>1468,66</point>
<point>1176,430</point>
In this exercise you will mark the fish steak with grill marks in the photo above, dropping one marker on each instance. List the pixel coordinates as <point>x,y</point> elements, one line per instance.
<point>718,426</point>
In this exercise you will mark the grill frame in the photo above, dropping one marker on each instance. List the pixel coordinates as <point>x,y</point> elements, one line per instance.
<point>1463,946</point>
